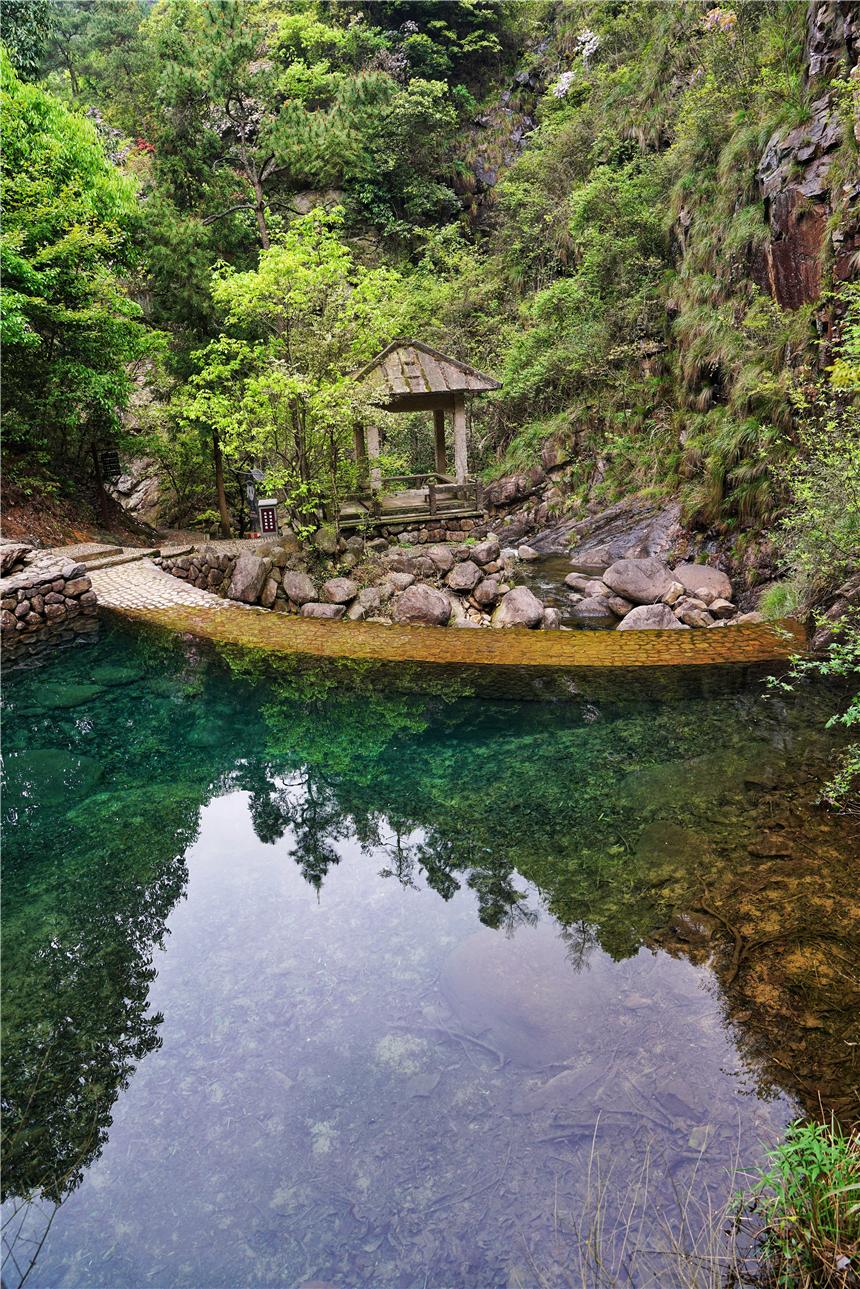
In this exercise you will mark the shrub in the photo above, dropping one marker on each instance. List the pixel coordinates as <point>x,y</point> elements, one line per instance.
<point>808,1201</point>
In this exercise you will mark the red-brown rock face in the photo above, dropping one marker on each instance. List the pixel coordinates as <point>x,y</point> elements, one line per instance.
<point>795,173</point>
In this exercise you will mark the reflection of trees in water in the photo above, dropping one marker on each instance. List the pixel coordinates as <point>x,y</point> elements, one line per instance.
<point>453,795</point>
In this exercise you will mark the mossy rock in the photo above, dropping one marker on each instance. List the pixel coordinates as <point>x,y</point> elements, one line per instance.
<point>51,775</point>
<point>57,693</point>
<point>115,675</point>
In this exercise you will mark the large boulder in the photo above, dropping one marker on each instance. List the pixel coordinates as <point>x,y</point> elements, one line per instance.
<point>651,617</point>
<point>464,577</point>
<point>334,611</point>
<point>339,590</point>
<point>487,551</point>
<point>325,540</point>
<point>640,580</point>
<point>12,553</point>
<point>423,605</point>
<point>594,611</point>
<point>370,598</point>
<point>487,592</point>
<point>441,557</point>
<point>695,577</point>
<point>299,588</point>
<point>249,577</point>
<point>519,608</point>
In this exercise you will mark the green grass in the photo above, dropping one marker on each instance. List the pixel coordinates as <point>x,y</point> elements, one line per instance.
<point>807,1201</point>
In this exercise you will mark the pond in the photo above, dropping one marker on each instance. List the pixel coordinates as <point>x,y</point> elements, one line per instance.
<point>307,983</point>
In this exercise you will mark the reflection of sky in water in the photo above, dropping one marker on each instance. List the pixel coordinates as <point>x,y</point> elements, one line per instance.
<point>363,1086</point>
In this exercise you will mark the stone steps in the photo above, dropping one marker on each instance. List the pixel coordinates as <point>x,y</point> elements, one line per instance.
<point>122,557</point>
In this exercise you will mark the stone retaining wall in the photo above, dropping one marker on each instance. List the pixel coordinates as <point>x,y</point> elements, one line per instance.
<point>45,599</point>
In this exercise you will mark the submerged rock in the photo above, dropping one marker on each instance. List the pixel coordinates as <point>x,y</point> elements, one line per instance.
<point>522,995</point>
<point>50,775</point>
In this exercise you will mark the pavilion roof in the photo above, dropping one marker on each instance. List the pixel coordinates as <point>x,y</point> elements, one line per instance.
<point>407,368</point>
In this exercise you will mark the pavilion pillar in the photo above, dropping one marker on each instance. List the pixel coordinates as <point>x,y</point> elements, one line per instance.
<point>461,460</point>
<point>373,454</point>
<point>439,426</point>
<point>360,448</point>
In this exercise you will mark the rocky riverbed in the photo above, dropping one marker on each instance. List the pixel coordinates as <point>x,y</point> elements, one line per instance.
<point>468,584</point>
<point>474,583</point>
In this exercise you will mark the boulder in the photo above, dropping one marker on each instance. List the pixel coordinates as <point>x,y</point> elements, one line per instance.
<point>720,608</point>
<point>694,577</point>
<point>299,588</point>
<point>487,551</point>
<point>619,605</point>
<point>651,617</point>
<point>487,592</point>
<point>551,620</point>
<point>334,611</point>
<point>692,615</point>
<point>355,545</point>
<point>12,553</point>
<point>325,540</point>
<point>593,563</point>
<point>519,608</point>
<point>339,590</point>
<point>593,611</point>
<point>596,586</point>
<point>399,581</point>
<point>576,581</point>
<point>527,552</point>
<point>674,593</point>
<point>464,577</point>
<point>249,577</point>
<point>269,592</point>
<point>370,598</point>
<point>458,616</point>
<point>422,605</point>
<point>643,581</point>
<point>357,611</point>
<point>441,557</point>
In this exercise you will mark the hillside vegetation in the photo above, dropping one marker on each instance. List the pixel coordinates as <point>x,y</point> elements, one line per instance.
<point>641,217</point>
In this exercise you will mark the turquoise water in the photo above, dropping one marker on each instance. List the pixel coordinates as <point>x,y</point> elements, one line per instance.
<point>305,983</point>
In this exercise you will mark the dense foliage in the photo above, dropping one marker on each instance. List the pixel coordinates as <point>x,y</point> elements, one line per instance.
<point>70,332</point>
<point>606,268</point>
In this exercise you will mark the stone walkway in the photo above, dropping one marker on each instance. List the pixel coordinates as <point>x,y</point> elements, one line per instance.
<point>142,585</point>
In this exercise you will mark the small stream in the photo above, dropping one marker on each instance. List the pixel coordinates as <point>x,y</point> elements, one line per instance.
<point>545,577</point>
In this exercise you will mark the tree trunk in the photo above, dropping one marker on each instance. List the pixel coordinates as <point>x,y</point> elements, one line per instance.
<point>260,212</point>
<point>223,510</point>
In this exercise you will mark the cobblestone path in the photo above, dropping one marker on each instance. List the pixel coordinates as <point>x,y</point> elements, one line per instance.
<point>141,585</point>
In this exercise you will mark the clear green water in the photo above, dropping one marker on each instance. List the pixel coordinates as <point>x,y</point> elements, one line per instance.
<point>315,984</point>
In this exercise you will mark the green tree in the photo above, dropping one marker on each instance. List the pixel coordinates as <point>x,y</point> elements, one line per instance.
<point>70,333</point>
<point>278,390</point>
